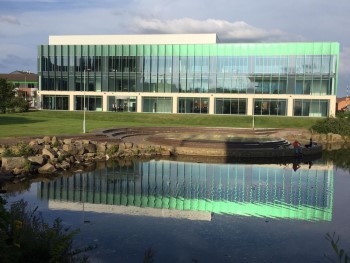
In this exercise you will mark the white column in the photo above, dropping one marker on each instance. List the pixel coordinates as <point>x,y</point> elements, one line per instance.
<point>250,106</point>
<point>104,102</point>
<point>139,103</point>
<point>211,104</point>
<point>290,105</point>
<point>71,102</point>
<point>175,103</point>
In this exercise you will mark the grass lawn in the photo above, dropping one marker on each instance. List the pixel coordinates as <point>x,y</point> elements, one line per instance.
<point>40,123</point>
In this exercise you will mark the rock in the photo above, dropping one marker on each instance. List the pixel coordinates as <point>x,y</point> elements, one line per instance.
<point>54,141</point>
<point>67,141</point>
<point>50,152</point>
<point>10,163</point>
<point>2,149</point>
<point>38,159</point>
<point>47,139</point>
<point>63,165</point>
<point>101,147</point>
<point>86,141</point>
<point>121,147</point>
<point>72,150</point>
<point>40,141</point>
<point>47,169</point>
<point>17,171</point>
<point>90,148</point>
<point>128,145</point>
<point>32,143</point>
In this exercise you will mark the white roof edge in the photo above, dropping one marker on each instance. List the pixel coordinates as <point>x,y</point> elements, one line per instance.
<point>150,39</point>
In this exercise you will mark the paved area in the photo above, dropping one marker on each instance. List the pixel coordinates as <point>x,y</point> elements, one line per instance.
<point>200,137</point>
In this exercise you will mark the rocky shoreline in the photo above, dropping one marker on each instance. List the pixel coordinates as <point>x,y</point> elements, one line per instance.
<point>50,155</point>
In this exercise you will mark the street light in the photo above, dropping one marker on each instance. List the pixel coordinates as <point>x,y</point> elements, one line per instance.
<point>84,122</point>
<point>253,124</point>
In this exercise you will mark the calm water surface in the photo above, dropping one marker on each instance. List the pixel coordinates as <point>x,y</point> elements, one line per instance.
<point>201,212</point>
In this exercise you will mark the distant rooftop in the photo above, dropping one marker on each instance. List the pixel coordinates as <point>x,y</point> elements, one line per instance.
<point>20,75</point>
<point>134,39</point>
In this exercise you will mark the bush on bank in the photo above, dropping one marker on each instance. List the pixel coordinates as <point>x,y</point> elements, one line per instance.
<point>339,125</point>
<point>25,237</point>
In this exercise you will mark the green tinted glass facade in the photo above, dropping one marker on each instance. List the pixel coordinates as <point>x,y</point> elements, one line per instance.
<point>233,69</point>
<point>308,68</point>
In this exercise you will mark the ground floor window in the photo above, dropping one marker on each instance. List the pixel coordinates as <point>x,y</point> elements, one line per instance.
<point>53,102</point>
<point>311,108</point>
<point>121,103</point>
<point>92,103</point>
<point>157,104</point>
<point>193,105</point>
<point>270,107</point>
<point>230,106</point>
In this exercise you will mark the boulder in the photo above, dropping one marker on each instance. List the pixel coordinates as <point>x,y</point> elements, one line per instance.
<point>32,143</point>
<point>50,152</point>
<point>40,141</point>
<point>101,147</point>
<point>47,169</point>
<point>67,141</point>
<point>38,159</point>
<point>54,140</point>
<point>90,148</point>
<point>47,139</point>
<point>64,165</point>
<point>10,163</point>
<point>71,149</point>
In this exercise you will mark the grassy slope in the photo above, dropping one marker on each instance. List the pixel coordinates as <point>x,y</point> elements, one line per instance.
<point>64,122</point>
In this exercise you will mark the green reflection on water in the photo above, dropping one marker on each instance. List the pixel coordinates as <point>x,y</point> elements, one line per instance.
<point>271,191</point>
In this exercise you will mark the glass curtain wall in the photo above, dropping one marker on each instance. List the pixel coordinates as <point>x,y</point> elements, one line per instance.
<point>193,105</point>
<point>92,103</point>
<point>311,108</point>
<point>230,106</point>
<point>53,102</point>
<point>121,104</point>
<point>157,104</point>
<point>270,107</point>
<point>294,68</point>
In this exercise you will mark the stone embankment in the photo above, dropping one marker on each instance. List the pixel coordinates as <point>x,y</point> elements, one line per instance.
<point>52,155</point>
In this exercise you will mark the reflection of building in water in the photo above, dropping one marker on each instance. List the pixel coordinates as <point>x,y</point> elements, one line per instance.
<point>249,190</point>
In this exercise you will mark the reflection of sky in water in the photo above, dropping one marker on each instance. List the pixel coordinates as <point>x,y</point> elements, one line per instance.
<point>190,189</point>
<point>135,222</point>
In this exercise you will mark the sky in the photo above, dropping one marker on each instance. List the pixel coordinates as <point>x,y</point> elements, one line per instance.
<point>26,24</point>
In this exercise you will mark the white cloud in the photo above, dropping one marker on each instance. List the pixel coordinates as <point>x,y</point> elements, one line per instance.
<point>344,60</point>
<point>227,31</point>
<point>9,19</point>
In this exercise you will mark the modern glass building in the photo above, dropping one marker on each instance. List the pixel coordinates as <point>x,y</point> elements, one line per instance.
<point>188,74</point>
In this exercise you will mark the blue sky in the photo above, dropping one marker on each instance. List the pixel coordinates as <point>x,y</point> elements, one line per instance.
<point>26,24</point>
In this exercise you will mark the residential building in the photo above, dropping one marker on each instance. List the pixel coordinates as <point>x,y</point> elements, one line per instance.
<point>192,73</point>
<point>26,84</point>
<point>343,104</point>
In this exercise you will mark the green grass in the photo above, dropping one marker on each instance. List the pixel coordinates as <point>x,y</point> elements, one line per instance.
<point>41,123</point>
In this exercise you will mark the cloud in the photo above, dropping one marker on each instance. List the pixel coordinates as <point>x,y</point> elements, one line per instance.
<point>227,31</point>
<point>344,60</point>
<point>13,62</point>
<point>9,19</point>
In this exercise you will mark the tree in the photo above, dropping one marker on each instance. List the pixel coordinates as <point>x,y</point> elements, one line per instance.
<point>8,100</point>
<point>7,93</point>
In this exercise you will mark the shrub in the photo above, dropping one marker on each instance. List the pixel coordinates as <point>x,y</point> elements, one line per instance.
<point>21,149</point>
<point>333,125</point>
<point>25,237</point>
<point>112,150</point>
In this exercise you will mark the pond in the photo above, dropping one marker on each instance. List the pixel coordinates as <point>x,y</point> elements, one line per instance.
<point>192,211</point>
